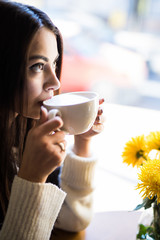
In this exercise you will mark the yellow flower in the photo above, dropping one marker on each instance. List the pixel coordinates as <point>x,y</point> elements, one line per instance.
<point>134,151</point>
<point>150,179</point>
<point>153,141</point>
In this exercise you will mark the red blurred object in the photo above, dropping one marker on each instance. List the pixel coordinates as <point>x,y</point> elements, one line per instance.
<point>82,73</point>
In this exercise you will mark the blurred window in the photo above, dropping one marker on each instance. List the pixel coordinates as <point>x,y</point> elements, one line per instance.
<point>112,47</point>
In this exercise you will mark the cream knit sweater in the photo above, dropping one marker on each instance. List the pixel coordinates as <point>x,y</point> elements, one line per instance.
<point>34,207</point>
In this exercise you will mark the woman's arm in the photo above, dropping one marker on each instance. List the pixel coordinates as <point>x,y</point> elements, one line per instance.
<point>77,180</point>
<point>34,204</point>
<point>32,210</point>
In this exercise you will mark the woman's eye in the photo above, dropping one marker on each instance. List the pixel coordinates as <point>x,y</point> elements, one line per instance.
<point>38,67</point>
<point>54,65</point>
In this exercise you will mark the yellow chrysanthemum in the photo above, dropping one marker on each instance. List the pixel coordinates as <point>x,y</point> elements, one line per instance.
<point>153,141</point>
<point>134,153</point>
<point>150,179</point>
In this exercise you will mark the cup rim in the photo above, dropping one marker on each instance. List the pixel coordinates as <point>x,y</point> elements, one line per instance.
<point>81,93</point>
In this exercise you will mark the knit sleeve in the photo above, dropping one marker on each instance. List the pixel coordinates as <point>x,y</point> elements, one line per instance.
<point>77,180</point>
<point>32,210</point>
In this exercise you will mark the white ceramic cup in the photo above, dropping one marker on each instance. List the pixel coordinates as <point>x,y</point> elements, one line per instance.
<point>78,110</point>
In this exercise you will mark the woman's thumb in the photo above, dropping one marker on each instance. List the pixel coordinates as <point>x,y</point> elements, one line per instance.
<point>43,115</point>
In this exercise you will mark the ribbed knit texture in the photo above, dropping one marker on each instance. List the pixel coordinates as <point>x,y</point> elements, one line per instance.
<point>32,211</point>
<point>78,171</point>
<point>77,180</point>
<point>34,207</point>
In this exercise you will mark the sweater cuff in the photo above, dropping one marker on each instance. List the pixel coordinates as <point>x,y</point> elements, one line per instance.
<point>78,171</point>
<point>32,210</point>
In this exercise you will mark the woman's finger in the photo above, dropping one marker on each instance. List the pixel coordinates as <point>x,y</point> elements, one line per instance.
<point>58,136</point>
<point>61,145</point>
<point>43,116</point>
<point>100,111</point>
<point>50,125</point>
<point>101,100</point>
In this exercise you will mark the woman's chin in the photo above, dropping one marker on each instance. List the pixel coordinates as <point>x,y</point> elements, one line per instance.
<point>34,116</point>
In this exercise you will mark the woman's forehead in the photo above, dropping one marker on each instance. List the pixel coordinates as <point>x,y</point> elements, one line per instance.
<point>44,42</point>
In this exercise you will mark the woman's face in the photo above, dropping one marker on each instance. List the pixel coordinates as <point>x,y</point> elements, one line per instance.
<point>41,66</point>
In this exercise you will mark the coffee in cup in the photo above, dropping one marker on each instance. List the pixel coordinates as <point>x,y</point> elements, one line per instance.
<point>78,110</point>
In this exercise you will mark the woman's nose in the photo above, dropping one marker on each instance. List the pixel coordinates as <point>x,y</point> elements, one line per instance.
<point>52,82</point>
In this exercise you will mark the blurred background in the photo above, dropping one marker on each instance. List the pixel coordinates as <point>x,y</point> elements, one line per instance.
<point>113,47</point>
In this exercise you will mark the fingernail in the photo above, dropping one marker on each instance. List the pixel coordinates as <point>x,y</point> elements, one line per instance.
<point>100,111</point>
<point>98,118</point>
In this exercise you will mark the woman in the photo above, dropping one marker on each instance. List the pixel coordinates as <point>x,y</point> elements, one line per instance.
<point>34,189</point>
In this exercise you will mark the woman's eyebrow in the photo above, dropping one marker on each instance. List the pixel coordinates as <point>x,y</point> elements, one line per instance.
<point>39,57</point>
<point>42,57</point>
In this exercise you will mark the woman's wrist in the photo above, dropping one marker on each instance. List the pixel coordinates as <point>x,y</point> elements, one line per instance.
<point>82,146</point>
<point>31,177</point>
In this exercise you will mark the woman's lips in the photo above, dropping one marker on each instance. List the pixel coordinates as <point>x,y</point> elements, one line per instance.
<point>41,102</point>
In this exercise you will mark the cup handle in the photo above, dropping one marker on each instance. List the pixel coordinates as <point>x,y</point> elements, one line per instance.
<point>53,113</point>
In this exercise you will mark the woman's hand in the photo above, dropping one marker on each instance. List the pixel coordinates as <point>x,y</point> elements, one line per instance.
<point>42,154</point>
<point>82,141</point>
<point>97,126</point>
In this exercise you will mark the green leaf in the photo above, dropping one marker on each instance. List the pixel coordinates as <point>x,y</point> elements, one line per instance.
<point>139,206</point>
<point>142,231</point>
<point>147,203</point>
<point>145,233</point>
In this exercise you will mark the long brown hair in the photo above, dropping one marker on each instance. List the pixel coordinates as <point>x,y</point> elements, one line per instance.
<point>18,24</point>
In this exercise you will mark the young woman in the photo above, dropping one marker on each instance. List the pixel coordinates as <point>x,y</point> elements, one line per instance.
<point>37,191</point>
